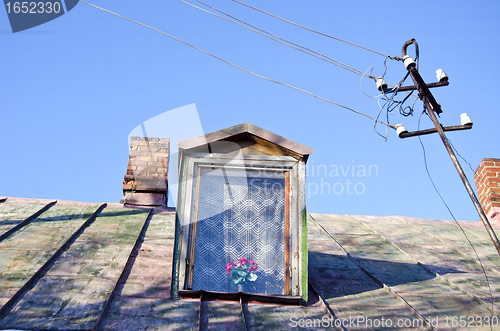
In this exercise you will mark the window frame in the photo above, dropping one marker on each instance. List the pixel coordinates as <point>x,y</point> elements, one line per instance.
<point>287,164</point>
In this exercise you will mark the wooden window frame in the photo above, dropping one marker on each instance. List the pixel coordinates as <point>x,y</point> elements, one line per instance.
<point>293,229</point>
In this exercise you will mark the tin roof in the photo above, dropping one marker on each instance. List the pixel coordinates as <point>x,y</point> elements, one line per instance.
<point>84,266</point>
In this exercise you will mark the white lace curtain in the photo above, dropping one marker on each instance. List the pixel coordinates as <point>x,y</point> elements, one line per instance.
<point>240,215</point>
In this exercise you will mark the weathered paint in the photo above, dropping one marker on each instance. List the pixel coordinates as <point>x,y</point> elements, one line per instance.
<point>74,290</point>
<point>178,217</point>
<point>304,266</point>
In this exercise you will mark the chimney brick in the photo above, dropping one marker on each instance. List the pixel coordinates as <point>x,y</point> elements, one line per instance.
<point>487,179</point>
<point>145,182</point>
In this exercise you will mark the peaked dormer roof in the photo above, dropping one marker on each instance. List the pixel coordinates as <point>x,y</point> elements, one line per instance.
<point>247,131</point>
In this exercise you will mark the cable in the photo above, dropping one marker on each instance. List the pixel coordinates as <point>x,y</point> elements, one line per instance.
<point>482,181</point>
<point>399,104</point>
<point>453,216</point>
<point>240,68</point>
<point>470,166</point>
<point>390,103</point>
<point>277,39</point>
<point>323,34</point>
<point>361,80</point>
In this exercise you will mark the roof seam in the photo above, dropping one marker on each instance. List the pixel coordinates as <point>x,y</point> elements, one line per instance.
<point>42,271</point>
<point>27,221</point>
<point>440,277</point>
<point>449,245</point>
<point>385,286</point>
<point>120,282</point>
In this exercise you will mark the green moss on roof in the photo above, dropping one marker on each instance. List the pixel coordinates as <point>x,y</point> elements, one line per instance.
<point>360,266</point>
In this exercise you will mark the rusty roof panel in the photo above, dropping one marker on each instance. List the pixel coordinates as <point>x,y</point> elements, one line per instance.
<point>367,267</point>
<point>137,313</point>
<point>73,292</point>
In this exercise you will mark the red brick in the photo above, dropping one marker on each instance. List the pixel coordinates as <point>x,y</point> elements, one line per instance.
<point>128,177</point>
<point>487,163</point>
<point>138,163</point>
<point>495,190</point>
<point>151,150</point>
<point>145,158</point>
<point>494,180</point>
<point>138,153</point>
<point>490,174</point>
<point>147,165</point>
<point>158,144</point>
<point>154,164</point>
<point>493,167</point>
<point>143,139</point>
<point>141,169</point>
<point>139,144</point>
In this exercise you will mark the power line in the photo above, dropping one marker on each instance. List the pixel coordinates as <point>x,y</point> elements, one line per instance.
<point>279,39</point>
<point>453,216</point>
<point>320,33</point>
<point>240,68</point>
<point>482,181</point>
<point>470,166</point>
<point>389,101</point>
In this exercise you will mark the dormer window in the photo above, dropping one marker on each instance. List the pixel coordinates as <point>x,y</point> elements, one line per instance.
<point>241,215</point>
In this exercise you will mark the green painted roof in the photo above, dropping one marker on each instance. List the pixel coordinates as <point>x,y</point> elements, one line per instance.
<point>73,268</point>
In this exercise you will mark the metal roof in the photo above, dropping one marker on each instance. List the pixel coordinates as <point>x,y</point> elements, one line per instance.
<point>83,266</point>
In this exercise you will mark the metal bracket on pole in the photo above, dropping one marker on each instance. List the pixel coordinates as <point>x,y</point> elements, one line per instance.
<point>432,108</point>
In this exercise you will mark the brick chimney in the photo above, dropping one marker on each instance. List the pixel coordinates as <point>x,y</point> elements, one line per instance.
<point>488,188</point>
<point>145,183</point>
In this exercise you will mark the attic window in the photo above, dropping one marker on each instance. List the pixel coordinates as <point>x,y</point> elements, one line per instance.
<point>240,217</point>
<point>240,213</point>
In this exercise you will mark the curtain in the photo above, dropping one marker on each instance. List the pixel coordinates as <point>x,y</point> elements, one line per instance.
<point>240,214</point>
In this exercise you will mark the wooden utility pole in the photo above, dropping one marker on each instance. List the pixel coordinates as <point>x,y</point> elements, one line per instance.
<point>432,108</point>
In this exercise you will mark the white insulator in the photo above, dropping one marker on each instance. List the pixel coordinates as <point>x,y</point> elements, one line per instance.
<point>441,75</point>
<point>465,119</point>
<point>381,84</point>
<point>408,61</point>
<point>400,129</point>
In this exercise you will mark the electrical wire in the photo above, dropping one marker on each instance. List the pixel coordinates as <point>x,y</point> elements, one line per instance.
<point>240,68</point>
<point>277,38</point>
<point>453,216</point>
<point>482,181</point>
<point>361,80</point>
<point>390,103</point>
<point>470,166</point>
<point>320,33</point>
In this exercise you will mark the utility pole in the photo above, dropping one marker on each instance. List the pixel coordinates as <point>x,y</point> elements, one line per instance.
<point>432,108</point>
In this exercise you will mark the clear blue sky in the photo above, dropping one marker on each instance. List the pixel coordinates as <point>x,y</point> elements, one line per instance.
<point>72,90</point>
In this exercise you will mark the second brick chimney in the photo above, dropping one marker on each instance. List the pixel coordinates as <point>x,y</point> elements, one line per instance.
<point>488,188</point>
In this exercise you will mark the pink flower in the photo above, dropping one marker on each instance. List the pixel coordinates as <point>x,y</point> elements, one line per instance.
<point>229,267</point>
<point>252,262</point>
<point>253,267</point>
<point>242,261</point>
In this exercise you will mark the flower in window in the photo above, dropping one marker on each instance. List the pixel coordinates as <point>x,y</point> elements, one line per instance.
<point>242,272</point>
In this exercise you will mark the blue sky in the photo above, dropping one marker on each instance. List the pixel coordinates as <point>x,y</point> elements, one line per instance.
<point>72,90</point>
